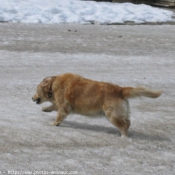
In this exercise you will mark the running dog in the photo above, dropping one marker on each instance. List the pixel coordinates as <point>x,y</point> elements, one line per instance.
<point>70,93</point>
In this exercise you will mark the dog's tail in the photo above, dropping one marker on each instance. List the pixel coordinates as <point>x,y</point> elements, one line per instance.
<point>130,92</point>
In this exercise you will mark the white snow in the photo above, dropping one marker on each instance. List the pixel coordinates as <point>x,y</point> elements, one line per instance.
<point>74,11</point>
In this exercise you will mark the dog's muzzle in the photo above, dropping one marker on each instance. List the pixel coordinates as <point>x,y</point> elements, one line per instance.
<point>38,100</point>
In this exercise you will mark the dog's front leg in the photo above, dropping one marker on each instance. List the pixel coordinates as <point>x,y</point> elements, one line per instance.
<point>63,112</point>
<point>50,108</point>
<point>59,119</point>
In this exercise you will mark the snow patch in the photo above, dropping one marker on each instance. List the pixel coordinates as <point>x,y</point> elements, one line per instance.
<point>84,12</point>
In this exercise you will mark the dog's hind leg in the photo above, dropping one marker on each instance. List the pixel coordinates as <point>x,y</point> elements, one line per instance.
<point>121,124</point>
<point>118,115</point>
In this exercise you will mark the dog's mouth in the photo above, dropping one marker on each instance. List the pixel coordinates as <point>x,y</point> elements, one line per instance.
<point>38,101</point>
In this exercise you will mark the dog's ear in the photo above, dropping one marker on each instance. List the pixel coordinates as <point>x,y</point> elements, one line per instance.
<point>46,81</point>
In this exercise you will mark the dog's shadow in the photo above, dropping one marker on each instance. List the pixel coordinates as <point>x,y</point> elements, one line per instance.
<point>111,130</point>
<point>89,127</point>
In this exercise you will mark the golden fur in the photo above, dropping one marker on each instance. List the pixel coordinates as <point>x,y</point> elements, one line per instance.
<point>70,93</point>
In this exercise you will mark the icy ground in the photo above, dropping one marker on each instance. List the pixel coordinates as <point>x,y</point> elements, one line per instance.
<point>125,55</point>
<point>84,12</point>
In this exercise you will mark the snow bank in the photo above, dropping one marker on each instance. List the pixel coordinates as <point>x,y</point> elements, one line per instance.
<point>74,11</point>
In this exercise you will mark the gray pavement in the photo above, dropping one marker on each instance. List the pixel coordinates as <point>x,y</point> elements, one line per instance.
<point>127,55</point>
<point>116,40</point>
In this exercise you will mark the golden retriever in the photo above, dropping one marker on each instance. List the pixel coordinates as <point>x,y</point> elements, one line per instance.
<point>70,93</point>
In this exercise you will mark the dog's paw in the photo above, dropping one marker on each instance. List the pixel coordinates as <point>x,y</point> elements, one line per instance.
<point>45,109</point>
<point>56,124</point>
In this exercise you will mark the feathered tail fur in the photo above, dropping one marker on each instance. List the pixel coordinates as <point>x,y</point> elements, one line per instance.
<point>130,92</point>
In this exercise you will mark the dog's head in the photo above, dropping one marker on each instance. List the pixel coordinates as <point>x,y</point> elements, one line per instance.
<point>44,91</point>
